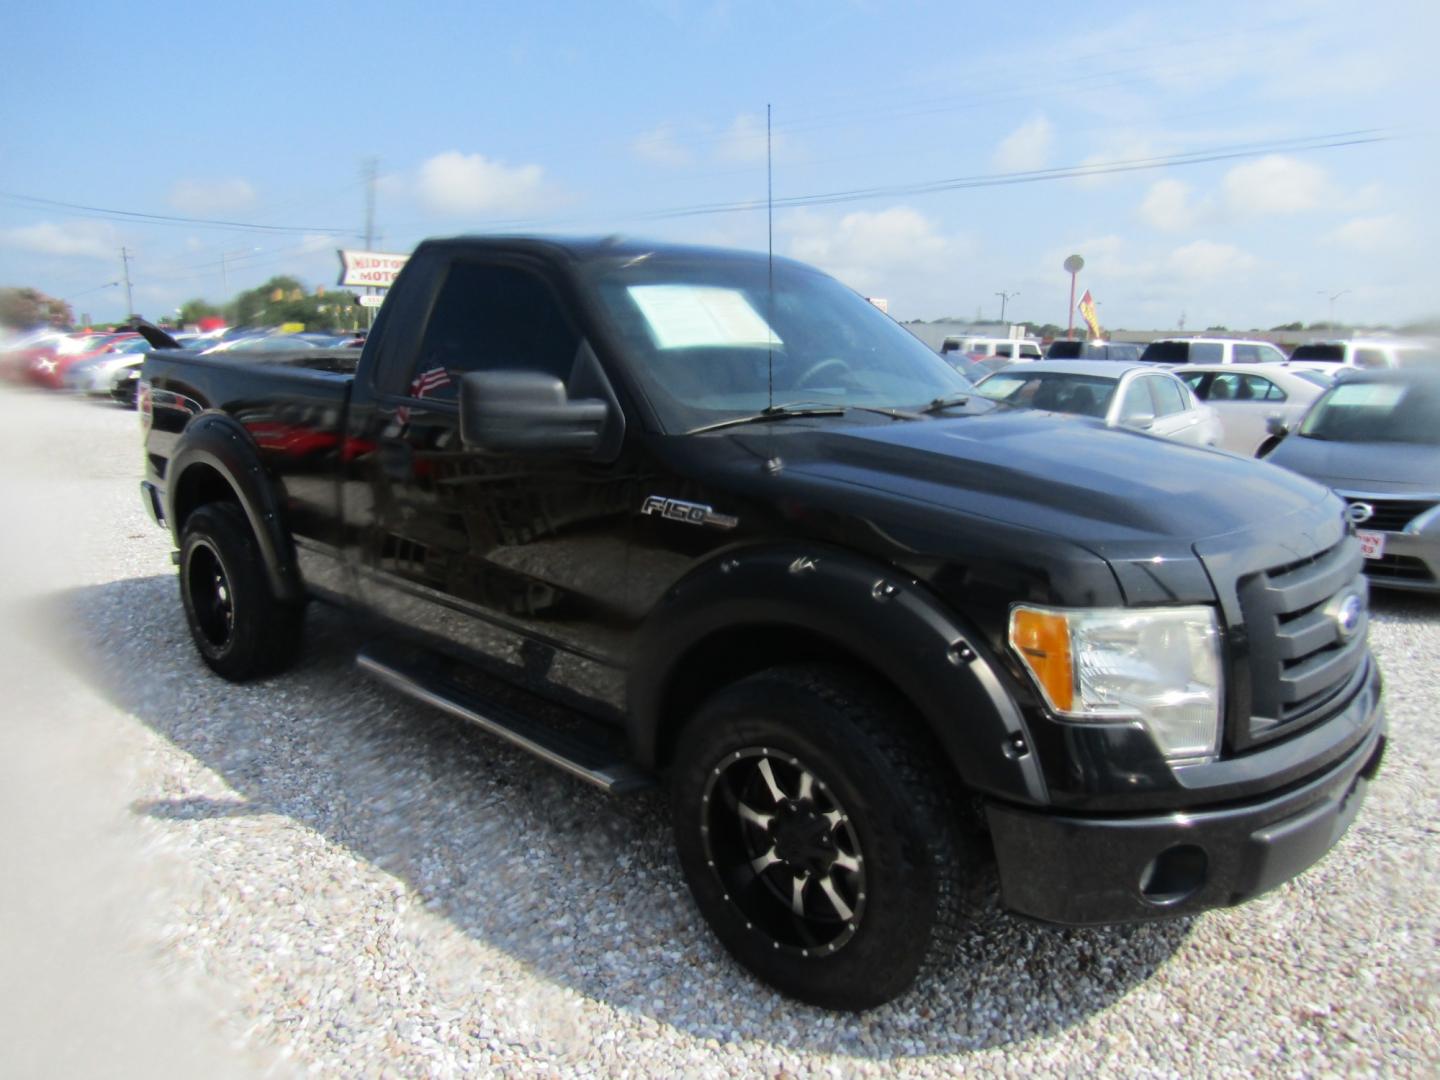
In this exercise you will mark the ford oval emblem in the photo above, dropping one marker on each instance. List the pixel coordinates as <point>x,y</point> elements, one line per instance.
<point>1359,512</point>
<point>1348,614</point>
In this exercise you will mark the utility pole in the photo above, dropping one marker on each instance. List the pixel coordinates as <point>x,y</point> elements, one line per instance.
<point>371,166</point>
<point>1004,298</point>
<point>129,301</point>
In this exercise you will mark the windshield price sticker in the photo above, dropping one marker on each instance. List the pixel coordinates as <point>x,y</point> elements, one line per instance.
<point>1372,544</point>
<point>687,316</point>
<point>1367,394</point>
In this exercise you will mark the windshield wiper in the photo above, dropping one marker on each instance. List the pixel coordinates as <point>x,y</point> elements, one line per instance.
<point>771,412</point>
<point>949,401</point>
<point>798,408</point>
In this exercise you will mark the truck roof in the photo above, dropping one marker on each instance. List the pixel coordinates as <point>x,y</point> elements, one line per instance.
<point>588,248</point>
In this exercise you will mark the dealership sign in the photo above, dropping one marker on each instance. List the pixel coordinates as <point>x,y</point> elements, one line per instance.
<point>374,269</point>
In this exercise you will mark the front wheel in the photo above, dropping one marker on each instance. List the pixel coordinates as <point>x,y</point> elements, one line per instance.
<point>815,836</point>
<point>238,624</point>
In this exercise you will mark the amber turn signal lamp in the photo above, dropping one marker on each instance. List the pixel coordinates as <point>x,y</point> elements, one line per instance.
<point>1042,641</point>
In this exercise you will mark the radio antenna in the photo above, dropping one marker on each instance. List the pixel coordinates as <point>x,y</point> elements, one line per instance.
<point>769,266</point>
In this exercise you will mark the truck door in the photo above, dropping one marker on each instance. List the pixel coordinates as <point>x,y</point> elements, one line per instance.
<point>513,560</point>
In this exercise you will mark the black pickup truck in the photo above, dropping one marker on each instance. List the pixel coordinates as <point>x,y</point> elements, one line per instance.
<point>716,520</point>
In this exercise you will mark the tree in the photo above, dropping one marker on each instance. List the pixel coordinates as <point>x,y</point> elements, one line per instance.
<point>284,299</point>
<point>192,311</point>
<point>24,308</point>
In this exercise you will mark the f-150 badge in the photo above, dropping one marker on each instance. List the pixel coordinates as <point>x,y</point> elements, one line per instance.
<point>688,512</point>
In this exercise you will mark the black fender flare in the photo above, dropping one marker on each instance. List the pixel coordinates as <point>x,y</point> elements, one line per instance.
<point>869,610</point>
<point>218,441</point>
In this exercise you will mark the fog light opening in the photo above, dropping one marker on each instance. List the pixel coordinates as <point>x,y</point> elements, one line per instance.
<point>1174,875</point>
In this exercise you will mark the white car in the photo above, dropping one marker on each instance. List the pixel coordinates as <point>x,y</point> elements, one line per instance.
<point>1021,349</point>
<point>1204,350</point>
<point>1135,396</point>
<point>1247,397</point>
<point>1333,355</point>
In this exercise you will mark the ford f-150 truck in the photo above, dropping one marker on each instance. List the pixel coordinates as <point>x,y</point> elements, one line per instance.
<point>713,520</point>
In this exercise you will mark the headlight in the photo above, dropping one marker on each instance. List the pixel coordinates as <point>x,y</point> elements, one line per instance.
<point>1160,666</point>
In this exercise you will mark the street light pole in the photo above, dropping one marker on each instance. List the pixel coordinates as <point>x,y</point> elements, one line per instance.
<point>1004,297</point>
<point>1333,297</point>
<point>225,257</point>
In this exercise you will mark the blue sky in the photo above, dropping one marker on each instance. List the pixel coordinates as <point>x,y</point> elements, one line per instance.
<point>579,118</point>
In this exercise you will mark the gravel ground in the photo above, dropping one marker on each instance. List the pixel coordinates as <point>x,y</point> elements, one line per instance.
<point>311,874</point>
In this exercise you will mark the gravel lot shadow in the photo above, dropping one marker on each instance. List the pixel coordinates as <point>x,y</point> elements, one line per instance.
<point>579,887</point>
<point>1394,603</point>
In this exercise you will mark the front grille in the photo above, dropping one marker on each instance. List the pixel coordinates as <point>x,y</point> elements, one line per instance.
<point>1390,515</point>
<point>1299,661</point>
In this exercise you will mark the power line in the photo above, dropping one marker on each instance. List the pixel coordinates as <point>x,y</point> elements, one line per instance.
<point>1069,172</point>
<point>166,219</point>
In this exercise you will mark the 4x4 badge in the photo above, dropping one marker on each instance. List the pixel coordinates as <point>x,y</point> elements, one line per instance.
<point>691,513</point>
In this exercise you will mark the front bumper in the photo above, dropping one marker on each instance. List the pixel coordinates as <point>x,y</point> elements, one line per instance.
<point>1411,561</point>
<point>1087,870</point>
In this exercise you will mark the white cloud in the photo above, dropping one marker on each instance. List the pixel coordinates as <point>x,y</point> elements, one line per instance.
<point>1027,147</point>
<point>660,146</point>
<point>744,141</point>
<point>1372,235</point>
<point>1277,184</point>
<point>1168,206</point>
<point>211,196</point>
<point>87,239</point>
<point>456,183</point>
<point>868,250</point>
<point>1206,260</point>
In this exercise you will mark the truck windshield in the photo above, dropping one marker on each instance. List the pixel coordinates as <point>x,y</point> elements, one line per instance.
<point>707,339</point>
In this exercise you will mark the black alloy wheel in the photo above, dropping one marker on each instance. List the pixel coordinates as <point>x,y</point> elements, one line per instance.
<point>209,590</point>
<point>816,834</point>
<point>785,851</point>
<point>239,626</point>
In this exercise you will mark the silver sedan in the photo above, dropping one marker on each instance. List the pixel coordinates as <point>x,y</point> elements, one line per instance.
<point>1136,396</point>
<point>1247,397</point>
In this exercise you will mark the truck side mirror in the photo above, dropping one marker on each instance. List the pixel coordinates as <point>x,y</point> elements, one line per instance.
<point>527,412</point>
<point>1276,425</point>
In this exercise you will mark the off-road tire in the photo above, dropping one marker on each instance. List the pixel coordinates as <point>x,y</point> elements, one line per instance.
<point>240,627</point>
<point>872,769</point>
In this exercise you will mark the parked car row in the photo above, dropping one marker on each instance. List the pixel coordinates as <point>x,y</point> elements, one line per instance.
<point>1175,352</point>
<point>1372,435</point>
<point>108,364</point>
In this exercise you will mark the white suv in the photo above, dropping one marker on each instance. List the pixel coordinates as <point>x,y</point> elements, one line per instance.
<point>1203,350</point>
<point>980,347</point>
<point>1330,355</point>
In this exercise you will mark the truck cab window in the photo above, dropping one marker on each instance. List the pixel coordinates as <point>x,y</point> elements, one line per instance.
<point>491,317</point>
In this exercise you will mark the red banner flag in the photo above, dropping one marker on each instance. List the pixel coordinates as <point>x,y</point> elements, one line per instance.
<point>1087,312</point>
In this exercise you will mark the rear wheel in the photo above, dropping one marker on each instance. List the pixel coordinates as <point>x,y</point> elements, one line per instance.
<point>240,627</point>
<point>815,836</point>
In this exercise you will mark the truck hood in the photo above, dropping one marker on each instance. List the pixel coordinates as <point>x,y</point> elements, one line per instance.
<point>1071,476</point>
